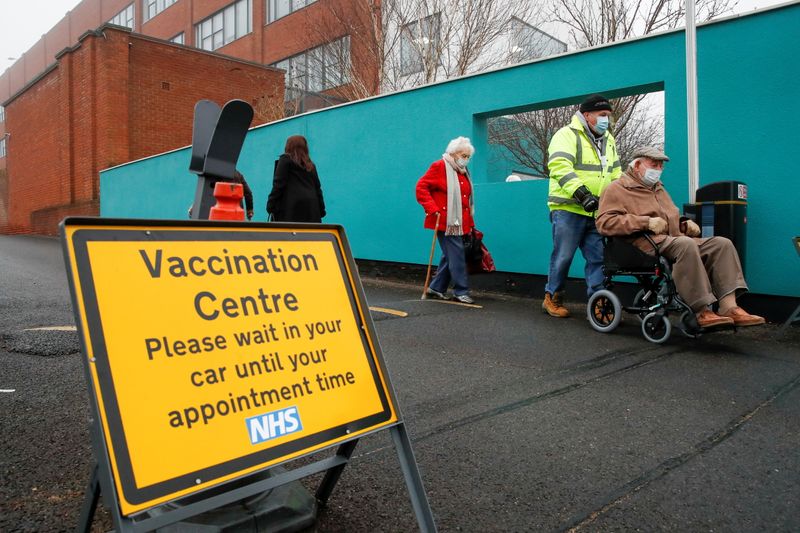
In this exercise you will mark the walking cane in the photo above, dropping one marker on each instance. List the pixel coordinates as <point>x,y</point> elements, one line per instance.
<point>430,259</point>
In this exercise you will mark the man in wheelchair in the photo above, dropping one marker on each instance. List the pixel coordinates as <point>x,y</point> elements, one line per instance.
<point>704,270</point>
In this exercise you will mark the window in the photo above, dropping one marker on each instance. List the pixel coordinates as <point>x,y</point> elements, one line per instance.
<point>528,42</point>
<point>295,68</point>
<point>318,69</point>
<point>518,143</point>
<point>3,147</point>
<point>178,39</point>
<point>223,27</point>
<point>152,8</point>
<point>336,63</point>
<point>2,114</point>
<point>280,8</point>
<point>419,40</point>
<point>124,17</point>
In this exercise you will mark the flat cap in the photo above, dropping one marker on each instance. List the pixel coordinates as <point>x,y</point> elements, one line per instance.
<point>649,152</point>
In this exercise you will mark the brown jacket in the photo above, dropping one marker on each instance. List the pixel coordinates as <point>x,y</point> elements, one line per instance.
<point>627,205</point>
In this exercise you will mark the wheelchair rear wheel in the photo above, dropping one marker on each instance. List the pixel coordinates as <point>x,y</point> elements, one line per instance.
<point>604,311</point>
<point>656,328</point>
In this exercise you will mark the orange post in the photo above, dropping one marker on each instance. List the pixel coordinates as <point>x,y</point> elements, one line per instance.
<point>229,202</point>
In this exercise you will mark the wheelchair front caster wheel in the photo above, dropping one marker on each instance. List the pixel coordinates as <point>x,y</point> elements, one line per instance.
<point>656,328</point>
<point>604,311</point>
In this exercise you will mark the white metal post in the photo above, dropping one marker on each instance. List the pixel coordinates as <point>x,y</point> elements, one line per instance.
<point>691,98</point>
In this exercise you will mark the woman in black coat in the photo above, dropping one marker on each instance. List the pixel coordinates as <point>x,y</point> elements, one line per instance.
<point>296,193</point>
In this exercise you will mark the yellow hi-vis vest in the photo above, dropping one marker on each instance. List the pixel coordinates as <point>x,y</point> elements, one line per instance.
<point>574,161</point>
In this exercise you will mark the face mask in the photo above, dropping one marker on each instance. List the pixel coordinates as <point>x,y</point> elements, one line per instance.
<point>602,125</point>
<point>462,162</point>
<point>651,177</point>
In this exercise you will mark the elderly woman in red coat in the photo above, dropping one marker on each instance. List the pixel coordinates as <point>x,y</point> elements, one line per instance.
<point>445,192</point>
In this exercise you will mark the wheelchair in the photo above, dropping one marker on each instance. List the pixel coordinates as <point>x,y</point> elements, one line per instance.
<point>656,299</point>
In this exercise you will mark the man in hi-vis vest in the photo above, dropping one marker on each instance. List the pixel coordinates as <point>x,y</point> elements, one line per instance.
<point>582,162</point>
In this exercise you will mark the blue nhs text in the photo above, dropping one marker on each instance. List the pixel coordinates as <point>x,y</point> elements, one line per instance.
<point>275,424</point>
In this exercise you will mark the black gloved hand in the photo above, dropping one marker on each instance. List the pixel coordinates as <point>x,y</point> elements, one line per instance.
<point>589,201</point>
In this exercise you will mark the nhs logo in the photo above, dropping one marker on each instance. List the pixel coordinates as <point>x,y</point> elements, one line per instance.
<point>275,424</point>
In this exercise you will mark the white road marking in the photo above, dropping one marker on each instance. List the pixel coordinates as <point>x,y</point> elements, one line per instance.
<point>53,328</point>
<point>449,302</point>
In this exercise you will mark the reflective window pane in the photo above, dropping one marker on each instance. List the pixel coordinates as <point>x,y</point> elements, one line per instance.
<point>229,24</point>
<point>124,17</point>
<point>225,26</point>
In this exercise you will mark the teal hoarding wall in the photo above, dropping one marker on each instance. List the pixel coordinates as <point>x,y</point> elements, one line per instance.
<point>371,153</point>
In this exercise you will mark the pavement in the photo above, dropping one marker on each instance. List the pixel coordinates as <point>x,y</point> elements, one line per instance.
<point>519,421</point>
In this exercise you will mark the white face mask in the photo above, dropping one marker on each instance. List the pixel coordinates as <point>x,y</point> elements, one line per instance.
<point>462,162</point>
<point>651,177</point>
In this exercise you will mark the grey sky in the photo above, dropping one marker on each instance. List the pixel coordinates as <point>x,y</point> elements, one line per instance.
<point>23,22</point>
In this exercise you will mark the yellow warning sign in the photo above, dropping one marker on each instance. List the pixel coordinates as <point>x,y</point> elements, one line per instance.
<point>218,351</point>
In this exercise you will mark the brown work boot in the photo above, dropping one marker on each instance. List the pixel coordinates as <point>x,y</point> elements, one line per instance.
<point>742,318</point>
<point>553,305</point>
<point>709,319</point>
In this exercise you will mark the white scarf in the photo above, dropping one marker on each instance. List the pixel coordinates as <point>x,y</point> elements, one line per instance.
<point>455,226</point>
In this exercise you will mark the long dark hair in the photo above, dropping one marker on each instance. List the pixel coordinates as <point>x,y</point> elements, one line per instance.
<point>297,150</point>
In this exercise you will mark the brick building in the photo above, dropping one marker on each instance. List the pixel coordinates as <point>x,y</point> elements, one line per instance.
<point>285,33</point>
<point>114,97</point>
<point>331,50</point>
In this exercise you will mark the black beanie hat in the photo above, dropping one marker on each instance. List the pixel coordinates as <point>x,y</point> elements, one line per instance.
<point>595,102</point>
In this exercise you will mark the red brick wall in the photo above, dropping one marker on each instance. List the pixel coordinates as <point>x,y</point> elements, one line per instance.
<point>322,22</point>
<point>169,80</point>
<point>3,197</point>
<point>244,48</point>
<point>116,98</point>
<point>175,19</point>
<point>112,102</point>
<point>16,78</point>
<point>2,136</point>
<point>36,59</point>
<point>266,44</point>
<point>201,9</point>
<point>58,38</point>
<point>86,16</point>
<point>38,155</point>
<point>84,116</point>
<point>291,34</point>
<point>110,8</point>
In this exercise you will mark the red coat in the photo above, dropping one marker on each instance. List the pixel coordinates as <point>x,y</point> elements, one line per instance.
<point>432,196</point>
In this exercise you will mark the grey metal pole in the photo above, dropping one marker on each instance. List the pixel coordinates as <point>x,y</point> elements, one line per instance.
<point>691,99</point>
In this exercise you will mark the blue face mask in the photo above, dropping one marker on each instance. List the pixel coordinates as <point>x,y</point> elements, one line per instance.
<point>602,125</point>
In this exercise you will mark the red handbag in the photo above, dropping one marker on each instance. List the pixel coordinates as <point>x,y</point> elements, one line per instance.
<point>476,255</point>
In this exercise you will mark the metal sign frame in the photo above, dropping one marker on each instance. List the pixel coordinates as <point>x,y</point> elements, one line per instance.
<point>102,479</point>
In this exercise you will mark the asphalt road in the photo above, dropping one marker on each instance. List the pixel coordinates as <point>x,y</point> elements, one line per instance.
<point>519,422</point>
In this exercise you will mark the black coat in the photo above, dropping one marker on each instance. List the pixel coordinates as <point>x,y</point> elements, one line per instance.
<point>248,194</point>
<point>296,193</point>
